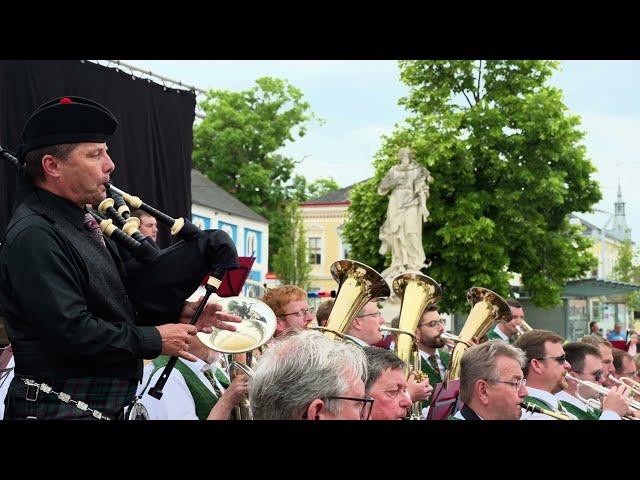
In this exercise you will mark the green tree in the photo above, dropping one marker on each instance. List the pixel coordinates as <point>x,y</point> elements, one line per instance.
<point>236,145</point>
<point>302,190</point>
<point>508,167</point>
<point>291,262</point>
<point>627,269</point>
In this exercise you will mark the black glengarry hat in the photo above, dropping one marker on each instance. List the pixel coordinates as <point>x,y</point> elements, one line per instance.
<point>66,120</point>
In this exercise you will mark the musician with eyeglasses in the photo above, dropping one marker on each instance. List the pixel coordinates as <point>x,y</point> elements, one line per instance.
<point>305,375</point>
<point>508,331</point>
<point>492,384</point>
<point>291,307</point>
<point>365,331</point>
<point>434,358</point>
<point>545,371</point>
<point>386,385</point>
<point>586,364</point>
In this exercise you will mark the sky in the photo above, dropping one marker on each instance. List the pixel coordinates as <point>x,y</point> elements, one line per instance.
<point>358,99</point>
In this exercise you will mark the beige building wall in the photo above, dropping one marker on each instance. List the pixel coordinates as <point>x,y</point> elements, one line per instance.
<point>323,225</point>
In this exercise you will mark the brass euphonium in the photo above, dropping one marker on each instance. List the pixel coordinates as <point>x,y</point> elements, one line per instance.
<point>487,308</point>
<point>256,328</point>
<point>417,292</point>
<point>358,285</point>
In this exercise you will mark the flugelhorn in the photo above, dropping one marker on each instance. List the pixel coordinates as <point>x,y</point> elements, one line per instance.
<point>603,391</point>
<point>524,327</point>
<point>633,403</point>
<point>358,285</point>
<point>455,339</point>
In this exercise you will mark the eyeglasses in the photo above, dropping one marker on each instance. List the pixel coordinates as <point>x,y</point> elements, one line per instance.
<point>517,384</point>
<point>365,410</point>
<point>432,323</point>
<point>376,314</point>
<point>558,358</point>
<point>301,313</point>
<point>597,374</point>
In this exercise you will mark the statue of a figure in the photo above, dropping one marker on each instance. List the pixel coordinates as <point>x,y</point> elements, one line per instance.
<point>401,232</point>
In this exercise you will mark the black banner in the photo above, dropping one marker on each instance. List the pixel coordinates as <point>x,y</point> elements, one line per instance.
<point>151,147</point>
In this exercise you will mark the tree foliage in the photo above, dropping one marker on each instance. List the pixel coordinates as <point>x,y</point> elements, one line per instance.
<point>627,270</point>
<point>291,263</point>
<point>237,146</point>
<point>508,167</point>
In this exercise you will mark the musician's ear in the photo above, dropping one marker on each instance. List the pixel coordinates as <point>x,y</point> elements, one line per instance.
<point>316,410</point>
<point>51,166</point>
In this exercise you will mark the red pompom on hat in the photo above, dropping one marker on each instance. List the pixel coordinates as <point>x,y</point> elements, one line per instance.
<point>67,120</point>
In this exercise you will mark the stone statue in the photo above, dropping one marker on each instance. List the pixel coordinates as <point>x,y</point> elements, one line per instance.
<point>401,233</point>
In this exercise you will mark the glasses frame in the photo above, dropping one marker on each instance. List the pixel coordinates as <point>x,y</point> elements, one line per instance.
<point>428,324</point>
<point>517,385</point>
<point>558,358</point>
<point>301,313</point>
<point>598,374</point>
<point>377,314</point>
<point>364,409</point>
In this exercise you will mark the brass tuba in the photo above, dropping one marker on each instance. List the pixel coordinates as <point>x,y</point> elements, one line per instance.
<point>358,285</point>
<point>417,292</point>
<point>487,308</point>
<point>256,328</point>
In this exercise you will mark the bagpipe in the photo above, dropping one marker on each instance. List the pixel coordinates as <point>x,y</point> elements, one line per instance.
<point>159,281</point>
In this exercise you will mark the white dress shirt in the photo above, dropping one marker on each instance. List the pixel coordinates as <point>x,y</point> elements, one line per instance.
<point>176,402</point>
<point>4,384</point>
<point>501,334</point>
<point>548,398</point>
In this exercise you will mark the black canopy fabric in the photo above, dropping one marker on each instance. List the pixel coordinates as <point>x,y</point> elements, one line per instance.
<point>151,147</point>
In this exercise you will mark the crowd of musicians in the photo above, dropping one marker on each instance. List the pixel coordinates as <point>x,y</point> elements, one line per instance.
<point>104,324</point>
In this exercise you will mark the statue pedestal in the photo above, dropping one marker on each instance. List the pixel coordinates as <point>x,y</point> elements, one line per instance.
<point>390,309</point>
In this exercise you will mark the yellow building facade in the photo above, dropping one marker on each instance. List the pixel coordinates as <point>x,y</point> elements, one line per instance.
<point>324,219</point>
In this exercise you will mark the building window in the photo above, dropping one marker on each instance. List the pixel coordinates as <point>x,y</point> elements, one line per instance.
<point>315,257</point>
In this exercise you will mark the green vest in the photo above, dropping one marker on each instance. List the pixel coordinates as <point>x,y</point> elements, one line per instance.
<point>578,413</point>
<point>202,396</point>
<point>538,402</point>
<point>434,376</point>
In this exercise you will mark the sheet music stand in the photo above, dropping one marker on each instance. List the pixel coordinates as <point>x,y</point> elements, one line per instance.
<point>234,280</point>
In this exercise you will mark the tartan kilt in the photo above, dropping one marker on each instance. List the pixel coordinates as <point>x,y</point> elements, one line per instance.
<point>107,395</point>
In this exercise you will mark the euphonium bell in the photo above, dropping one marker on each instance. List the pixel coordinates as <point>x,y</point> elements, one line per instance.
<point>358,285</point>
<point>417,292</point>
<point>256,328</point>
<point>487,308</point>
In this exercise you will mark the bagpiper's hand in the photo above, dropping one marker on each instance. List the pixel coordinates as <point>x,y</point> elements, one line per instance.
<point>176,338</point>
<point>211,316</point>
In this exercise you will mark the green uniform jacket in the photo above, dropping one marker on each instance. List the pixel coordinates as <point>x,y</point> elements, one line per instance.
<point>492,335</point>
<point>434,376</point>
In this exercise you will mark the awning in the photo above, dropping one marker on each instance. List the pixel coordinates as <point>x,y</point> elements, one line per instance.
<point>594,287</point>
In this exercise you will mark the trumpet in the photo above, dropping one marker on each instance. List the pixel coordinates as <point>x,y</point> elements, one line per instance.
<point>621,383</point>
<point>603,391</point>
<point>632,384</point>
<point>532,407</point>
